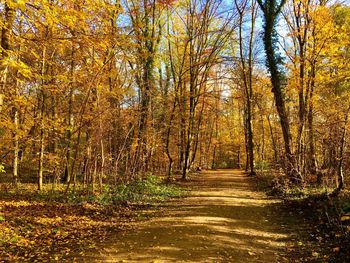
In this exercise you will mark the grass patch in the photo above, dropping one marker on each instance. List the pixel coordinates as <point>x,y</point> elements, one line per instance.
<point>144,190</point>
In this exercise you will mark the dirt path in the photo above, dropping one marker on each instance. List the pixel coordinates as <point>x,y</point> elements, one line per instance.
<point>223,220</point>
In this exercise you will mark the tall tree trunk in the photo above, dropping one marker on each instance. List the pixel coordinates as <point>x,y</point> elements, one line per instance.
<point>148,39</point>
<point>16,147</point>
<point>6,46</point>
<point>69,118</point>
<point>313,167</point>
<point>247,74</point>
<point>41,159</point>
<point>6,43</point>
<point>42,102</point>
<point>301,18</point>
<point>340,173</point>
<point>271,11</point>
<point>262,139</point>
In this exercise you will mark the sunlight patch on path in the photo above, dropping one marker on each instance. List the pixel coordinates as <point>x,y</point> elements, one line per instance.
<point>200,220</point>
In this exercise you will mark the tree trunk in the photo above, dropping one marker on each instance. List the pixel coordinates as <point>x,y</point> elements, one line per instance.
<point>271,10</point>
<point>6,45</point>
<point>42,101</point>
<point>313,167</point>
<point>340,173</point>
<point>69,119</point>
<point>16,147</point>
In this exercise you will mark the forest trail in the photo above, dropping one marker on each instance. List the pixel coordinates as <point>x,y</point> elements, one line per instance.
<point>222,220</point>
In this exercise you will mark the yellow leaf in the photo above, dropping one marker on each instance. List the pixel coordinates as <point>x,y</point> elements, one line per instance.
<point>345,218</point>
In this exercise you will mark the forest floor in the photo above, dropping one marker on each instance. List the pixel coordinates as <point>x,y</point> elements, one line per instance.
<point>223,219</point>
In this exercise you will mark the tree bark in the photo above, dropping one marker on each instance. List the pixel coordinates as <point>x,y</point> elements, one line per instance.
<point>271,10</point>
<point>6,45</point>
<point>340,172</point>
<point>247,75</point>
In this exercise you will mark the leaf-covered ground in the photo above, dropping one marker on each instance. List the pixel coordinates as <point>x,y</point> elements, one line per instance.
<point>41,231</point>
<point>320,224</point>
<point>52,225</point>
<point>323,235</point>
<point>223,219</point>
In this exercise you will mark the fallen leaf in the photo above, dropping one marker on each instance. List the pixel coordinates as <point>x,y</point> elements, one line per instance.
<point>315,254</point>
<point>336,249</point>
<point>345,218</point>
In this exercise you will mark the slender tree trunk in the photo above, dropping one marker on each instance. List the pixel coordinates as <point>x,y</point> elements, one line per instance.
<point>313,166</point>
<point>301,18</point>
<point>41,160</point>
<point>246,143</point>
<point>69,119</point>
<point>197,131</point>
<point>16,147</point>
<point>41,141</point>
<point>15,136</point>
<point>312,151</point>
<point>167,140</point>
<point>340,173</point>
<point>247,74</point>
<point>192,105</point>
<point>262,139</point>
<point>42,102</point>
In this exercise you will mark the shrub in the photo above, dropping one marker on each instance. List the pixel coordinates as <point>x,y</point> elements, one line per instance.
<point>148,189</point>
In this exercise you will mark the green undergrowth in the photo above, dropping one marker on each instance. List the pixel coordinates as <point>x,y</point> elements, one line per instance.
<point>150,189</point>
<point>147,190</point>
